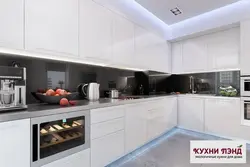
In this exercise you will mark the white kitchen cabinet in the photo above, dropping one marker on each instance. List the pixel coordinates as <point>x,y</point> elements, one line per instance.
<point>12,24</point>
<point>194,55</point>
<point>177,58</point>
<point>15,143</point>
<point>135,126</point>
<point>223,49</point>
<point>245,47</point>
<point>96,34</point>
<point>222,117</point>
<point>51,27</point>
<point>107,149</point>
<point>123,41</point>
<point>191,113</point>
<point>80,159</point>
<point>161,117</point>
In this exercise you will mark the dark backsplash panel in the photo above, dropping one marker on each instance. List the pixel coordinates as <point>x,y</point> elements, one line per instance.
<point>42,74</point>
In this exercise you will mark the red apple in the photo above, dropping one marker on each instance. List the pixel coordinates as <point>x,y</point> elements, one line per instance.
<point>72,102</point>
<point>50,92</point>
<point>64,102</point>
<point>62,93</point>
<point>58,91</point>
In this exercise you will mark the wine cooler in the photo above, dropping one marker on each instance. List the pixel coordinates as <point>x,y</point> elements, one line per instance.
<point>58,136</point>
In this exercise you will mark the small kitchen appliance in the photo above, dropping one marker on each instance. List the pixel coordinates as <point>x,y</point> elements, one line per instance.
<point>245,100</point>
<point>12,88</point>
<point>91,91</point>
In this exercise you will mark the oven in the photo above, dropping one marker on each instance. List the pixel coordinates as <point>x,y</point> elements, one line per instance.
<point>245,86</point>
<point>245,111</point>
<point>57,136</point>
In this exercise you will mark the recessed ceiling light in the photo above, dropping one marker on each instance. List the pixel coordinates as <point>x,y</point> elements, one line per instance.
<point>176,11</point>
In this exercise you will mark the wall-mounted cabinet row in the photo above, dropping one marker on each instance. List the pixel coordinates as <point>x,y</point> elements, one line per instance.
<point>80,30</point>
<point>213,52</point>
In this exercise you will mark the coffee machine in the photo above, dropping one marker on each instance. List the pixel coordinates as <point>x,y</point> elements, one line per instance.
<point>12,88</point>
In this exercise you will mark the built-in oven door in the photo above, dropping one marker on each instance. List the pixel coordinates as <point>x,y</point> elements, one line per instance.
<point>57,136</point>
<point>245,111</point>
<point>245,86</point>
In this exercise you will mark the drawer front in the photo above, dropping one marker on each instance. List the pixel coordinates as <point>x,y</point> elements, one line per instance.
<point>105,114</point>
<point>107,149</point>
<point>105,128</point>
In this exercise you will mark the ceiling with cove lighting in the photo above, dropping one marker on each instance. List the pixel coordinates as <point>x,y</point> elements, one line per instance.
<point>189,8</point>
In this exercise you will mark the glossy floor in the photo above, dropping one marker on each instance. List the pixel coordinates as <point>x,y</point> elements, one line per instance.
<point>173,151</point>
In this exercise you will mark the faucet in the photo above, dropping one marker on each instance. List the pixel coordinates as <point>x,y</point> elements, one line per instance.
<point>191,84</point>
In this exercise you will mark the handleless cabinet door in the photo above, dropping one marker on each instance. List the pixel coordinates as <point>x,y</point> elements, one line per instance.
<point>123,43</point>
<point>245,47</point>
<point>95,32</point>
<point>51,27</point>
<point>177,58</point>
<point>15,143</point>
<point>80,159</point>
<point>223,49</point>
<point>12,24</point>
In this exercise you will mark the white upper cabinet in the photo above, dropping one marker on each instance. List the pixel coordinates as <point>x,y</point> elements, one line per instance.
<point>123,41</point>
<point>12,24</point>
<point>245,47</point>
<point>51,26</point>
<point>96,35</point>
<point>177,58</point>
<point>194,54</point>
<point>223,49</point>
<point>15,143</point>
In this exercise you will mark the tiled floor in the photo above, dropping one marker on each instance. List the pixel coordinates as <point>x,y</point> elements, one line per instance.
<point>174,152</point>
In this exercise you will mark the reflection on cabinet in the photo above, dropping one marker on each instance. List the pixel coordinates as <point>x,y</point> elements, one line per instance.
<point>81,159</point>
<point>222,117</point>
<point>51,27</point>
<point>245,47</point>
<point>95,32</point>
<point>191,113</point>
<point>106,149</point>
<point>194,54</point>
<point>123,42</point>
<point>135,126</point>
<point>15,143</point>
<point>223,49</point>
<point>12,24</point>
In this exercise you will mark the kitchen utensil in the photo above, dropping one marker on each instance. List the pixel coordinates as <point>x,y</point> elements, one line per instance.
<point>114,94</point>
<point>91,91</point>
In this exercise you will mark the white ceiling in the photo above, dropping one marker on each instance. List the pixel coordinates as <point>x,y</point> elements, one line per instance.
<point>189,8</point>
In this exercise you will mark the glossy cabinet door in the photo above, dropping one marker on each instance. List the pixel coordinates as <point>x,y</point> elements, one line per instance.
<point>96,36</point>
<point>245,47</point>
<point>15,143</point>
<point>123,41</point>
<point>222,117</point>
<point>51,27</point>
<point>80,159</point>
<point>107,149</point>
<point>223,49</point>
<point>135,126</point>
<point>191,113</point>
<point>12,24</point>
<point>177,58</point>
<point>194,55</point>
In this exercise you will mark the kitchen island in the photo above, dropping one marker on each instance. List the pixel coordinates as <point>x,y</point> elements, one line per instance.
<point>118,127</point>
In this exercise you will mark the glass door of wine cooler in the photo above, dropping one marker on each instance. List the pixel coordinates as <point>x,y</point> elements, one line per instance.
<point>53,138</point>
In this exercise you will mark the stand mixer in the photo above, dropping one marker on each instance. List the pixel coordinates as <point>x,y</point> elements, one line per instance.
<point>12,88</point>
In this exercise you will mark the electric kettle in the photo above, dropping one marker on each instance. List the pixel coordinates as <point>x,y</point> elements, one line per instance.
<point>91,91</point>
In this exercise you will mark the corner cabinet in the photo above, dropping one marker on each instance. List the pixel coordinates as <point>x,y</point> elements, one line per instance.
<point>80,159</point>
<point>51,27</point>
<point>15,143</point>
<point>245,47</point>
<point>95,32</point>
<point>12,24</point>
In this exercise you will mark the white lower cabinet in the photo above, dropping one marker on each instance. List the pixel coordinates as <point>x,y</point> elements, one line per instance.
<point>80,159</point>
<point>107,149</point>
<point>191,113</point>
<point>15,143</point>
<point>135,126</point>
<point>222,117</point>
<point>161,118</point>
